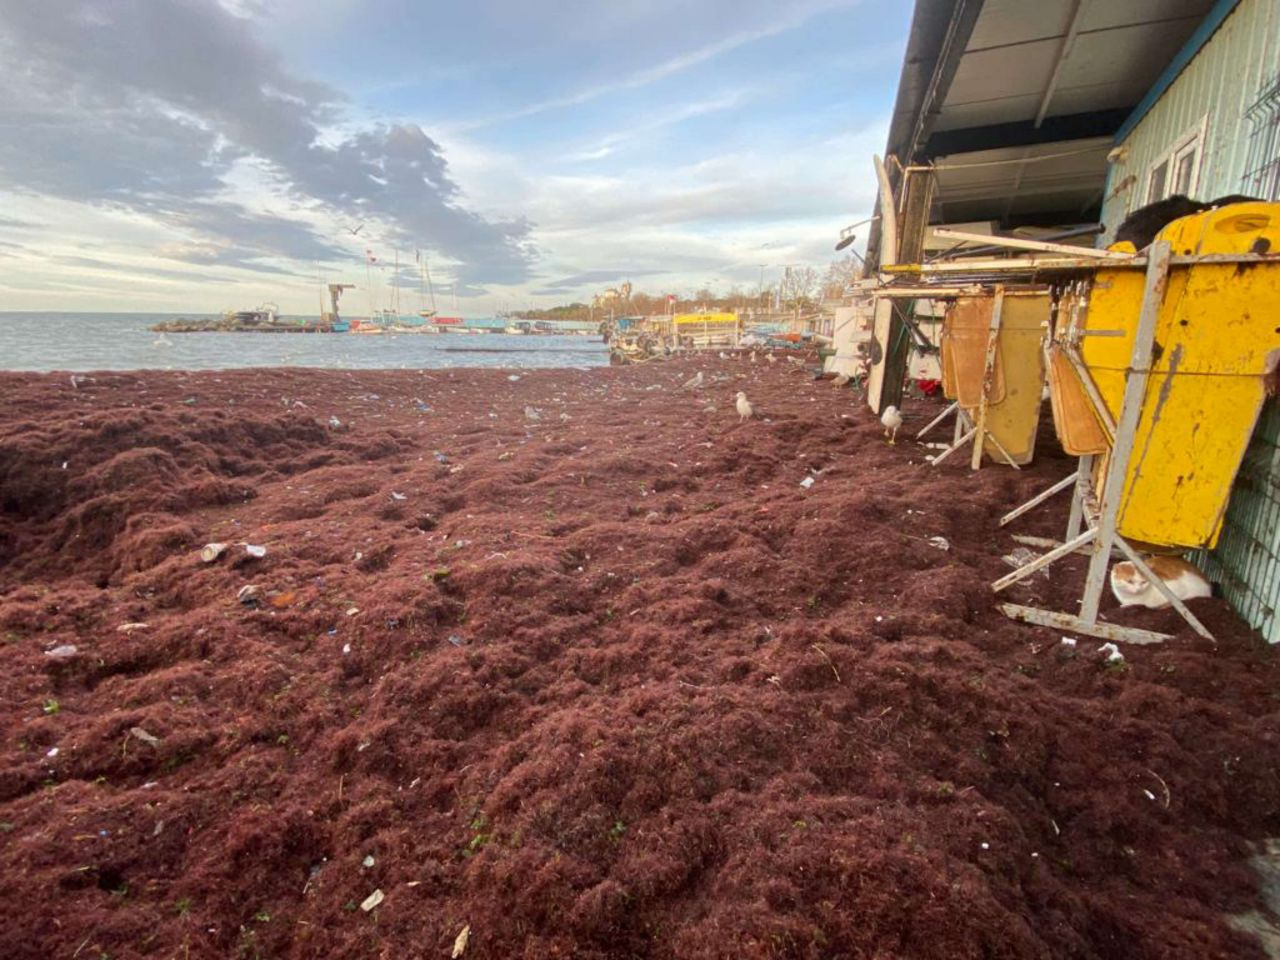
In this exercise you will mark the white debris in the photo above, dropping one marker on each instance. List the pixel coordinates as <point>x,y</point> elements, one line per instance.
<point>62,651</point>
<point>1068,641</point>
<point>346,649</point>
<point>148,738</point>
<point>130,627</point>
<point>372,900</point>
<point>367,862</point>
<point>53,752</point>
<point>212,551</point>
<point>806,483</point>
<point>460,944</point>
<point>254,550</point>
<point>398,496</point>
<point>1113,653</point>
<point>942,543</point>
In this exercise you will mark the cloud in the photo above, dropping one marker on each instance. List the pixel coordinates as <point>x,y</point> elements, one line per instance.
<point>794,17</point>
<point>149,106</point>
<point>577,281</point>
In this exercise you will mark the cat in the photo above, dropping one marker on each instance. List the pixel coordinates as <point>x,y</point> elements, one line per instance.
<point>1183,579</point>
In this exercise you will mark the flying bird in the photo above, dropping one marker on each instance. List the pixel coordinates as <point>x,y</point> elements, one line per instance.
<point>745,412</point>
<point>892,420</point>
<point>356,231</point>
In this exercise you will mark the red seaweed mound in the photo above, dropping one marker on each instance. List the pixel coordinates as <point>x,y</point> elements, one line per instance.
<point>575,661</point>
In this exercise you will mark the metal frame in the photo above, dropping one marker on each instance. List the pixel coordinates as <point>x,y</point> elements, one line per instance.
<point>976,431</point>
<point>1100,517</point>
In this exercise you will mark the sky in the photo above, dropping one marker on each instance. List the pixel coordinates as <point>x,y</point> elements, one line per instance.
<point>199,155</point>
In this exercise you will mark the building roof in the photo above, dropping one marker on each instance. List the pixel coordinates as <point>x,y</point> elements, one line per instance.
<point>1017,103</point>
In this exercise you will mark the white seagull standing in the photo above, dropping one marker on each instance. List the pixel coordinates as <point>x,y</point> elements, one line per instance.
<point>744,407</point>
<point>892,420</point>
<point>693,383</point>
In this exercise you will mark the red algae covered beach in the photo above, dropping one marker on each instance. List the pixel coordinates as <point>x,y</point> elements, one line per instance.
<point>570,664</point>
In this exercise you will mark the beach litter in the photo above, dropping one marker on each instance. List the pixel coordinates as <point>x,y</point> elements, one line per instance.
<point>372,900</point>
<point>255,551</point>
<point>62,651</point>
<point>212,551</point>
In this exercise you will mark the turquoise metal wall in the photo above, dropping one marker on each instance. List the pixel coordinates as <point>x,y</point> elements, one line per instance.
<point>1210,96</point>
<point>1247,561</point>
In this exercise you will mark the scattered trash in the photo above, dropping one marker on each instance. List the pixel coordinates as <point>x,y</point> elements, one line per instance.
<point>352,611</point>
<point>212,551</point>
<point>505,456</point>
<point>806,483</point>
<point>130,627</point>
<point>367,862</point>
<point>149,739</point>
<point>513,377</point>
<point>440,457</point>
<point>1068,641</point>
<point>1020,557</point>
<point>1113,653</point>
<point>373,900</point>
<point>334,423</point>
<point>942,543</point>
<point>460,944</point>
<point>254,550</point>
<point>1150,795</point>
<point>456,640</point>
<point>346,649</point>
<point>248,595</point>
<point>398,496</point>
<point>986,846</point>
<point>62,651</point>
<point>532,413</point>
<point>52,752</point>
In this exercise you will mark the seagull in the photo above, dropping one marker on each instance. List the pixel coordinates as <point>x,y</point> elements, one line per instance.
<point>356,231</point>
<point>693,383</point>
<point>744,407</point>
<point>892,420</point>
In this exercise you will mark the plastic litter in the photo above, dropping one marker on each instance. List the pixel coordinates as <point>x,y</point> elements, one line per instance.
<point>460,944</point>
<point>254,550</point>
<point>806,483</point>
<point>373,900</point>
<point>248,595</point>
<point>62,651</point>
<point>212,551</point>
<point>131,627</point>
<point>942,543</point>
<point>1113,653</point>
<point>148,738</point>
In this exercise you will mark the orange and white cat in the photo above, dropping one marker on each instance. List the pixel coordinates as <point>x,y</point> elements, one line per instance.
<point>1183,579</point>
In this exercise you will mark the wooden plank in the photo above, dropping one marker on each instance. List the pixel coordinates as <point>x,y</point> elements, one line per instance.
<point>1038,499</point>
<point>1018,243</point>
<point>1065,621</point>
<point>1042,561</point>
<point>1126,427</point>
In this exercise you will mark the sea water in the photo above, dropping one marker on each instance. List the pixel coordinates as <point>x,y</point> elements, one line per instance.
<point>119,341</point>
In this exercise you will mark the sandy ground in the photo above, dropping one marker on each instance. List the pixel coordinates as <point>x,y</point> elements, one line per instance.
<point>573,662</point>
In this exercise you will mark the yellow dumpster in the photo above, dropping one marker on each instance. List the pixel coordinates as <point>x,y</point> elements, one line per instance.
<point>1217,335</point>
<point>1014,393</point>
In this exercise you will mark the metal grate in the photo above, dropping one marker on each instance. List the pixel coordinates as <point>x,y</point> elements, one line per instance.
<point>1262,167</point>
<point>1247,560</point>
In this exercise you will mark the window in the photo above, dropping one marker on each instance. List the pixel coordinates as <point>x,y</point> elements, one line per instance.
<point>1178,171</point>
<point>1157,181</point>
<point>1262,164</point>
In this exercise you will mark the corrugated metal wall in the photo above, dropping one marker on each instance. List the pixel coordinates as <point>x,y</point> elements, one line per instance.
<point>1247,561</point>
<point>1215,90</point>
<point>1212,94</point>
